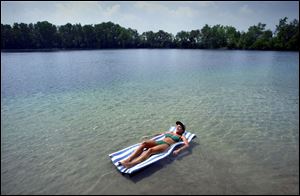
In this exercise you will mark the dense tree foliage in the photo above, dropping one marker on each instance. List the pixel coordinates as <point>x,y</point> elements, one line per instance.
<point>44,35</point>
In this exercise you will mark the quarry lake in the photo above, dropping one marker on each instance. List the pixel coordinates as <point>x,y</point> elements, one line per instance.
<point>63,112</point>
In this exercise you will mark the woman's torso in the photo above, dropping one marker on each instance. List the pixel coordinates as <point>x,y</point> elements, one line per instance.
<point>172,138</point>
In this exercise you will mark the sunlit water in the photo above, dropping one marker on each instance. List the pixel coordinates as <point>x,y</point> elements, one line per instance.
<point>62,113</point>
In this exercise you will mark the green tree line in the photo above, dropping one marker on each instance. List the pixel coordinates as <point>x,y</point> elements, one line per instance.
<point>44,35</point>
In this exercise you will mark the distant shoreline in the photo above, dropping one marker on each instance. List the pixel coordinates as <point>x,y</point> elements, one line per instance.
<point>44,36</point>
<point>83,49</point>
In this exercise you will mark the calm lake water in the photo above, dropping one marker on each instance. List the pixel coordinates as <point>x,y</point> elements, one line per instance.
<point>63,112</point>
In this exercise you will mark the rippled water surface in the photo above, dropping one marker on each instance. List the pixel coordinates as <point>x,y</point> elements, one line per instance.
<point>63,112</point>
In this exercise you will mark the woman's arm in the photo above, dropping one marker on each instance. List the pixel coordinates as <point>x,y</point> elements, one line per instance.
<point>186,145</point>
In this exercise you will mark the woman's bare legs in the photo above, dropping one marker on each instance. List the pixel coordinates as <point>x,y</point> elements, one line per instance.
<point>146,155</point>
<point>139,150</point>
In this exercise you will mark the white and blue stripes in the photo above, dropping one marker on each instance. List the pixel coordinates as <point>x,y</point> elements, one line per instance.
<point>124,153</point>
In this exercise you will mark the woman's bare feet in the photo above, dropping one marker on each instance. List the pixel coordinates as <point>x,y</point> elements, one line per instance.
<point>126,163</point>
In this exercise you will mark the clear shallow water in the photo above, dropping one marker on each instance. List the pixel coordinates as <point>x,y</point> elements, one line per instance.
<point>62,113</point>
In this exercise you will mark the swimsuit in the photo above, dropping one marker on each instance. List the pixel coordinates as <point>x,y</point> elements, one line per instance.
<point>161,142</point>
<point>175,138</point>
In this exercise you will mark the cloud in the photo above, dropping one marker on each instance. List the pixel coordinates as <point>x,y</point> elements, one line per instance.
<point>88,12</point>
<point>246,10</point>
<point>172,16</point>
<point>166,11</point>
<point>109,11</point>
<point>183,12</point>
<point>204,3</point>
<point>150,6</point>
<point>76,7</point>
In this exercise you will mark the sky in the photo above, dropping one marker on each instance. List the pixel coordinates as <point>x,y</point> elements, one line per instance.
<point>143,16</point>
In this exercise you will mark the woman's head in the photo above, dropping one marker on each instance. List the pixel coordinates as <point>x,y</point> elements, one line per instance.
<point>180,127</point>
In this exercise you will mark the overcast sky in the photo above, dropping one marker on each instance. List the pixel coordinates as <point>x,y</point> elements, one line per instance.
<point>158,15</point>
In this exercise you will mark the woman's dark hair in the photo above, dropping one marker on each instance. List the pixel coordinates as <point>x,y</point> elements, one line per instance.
<point>182,125</point>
